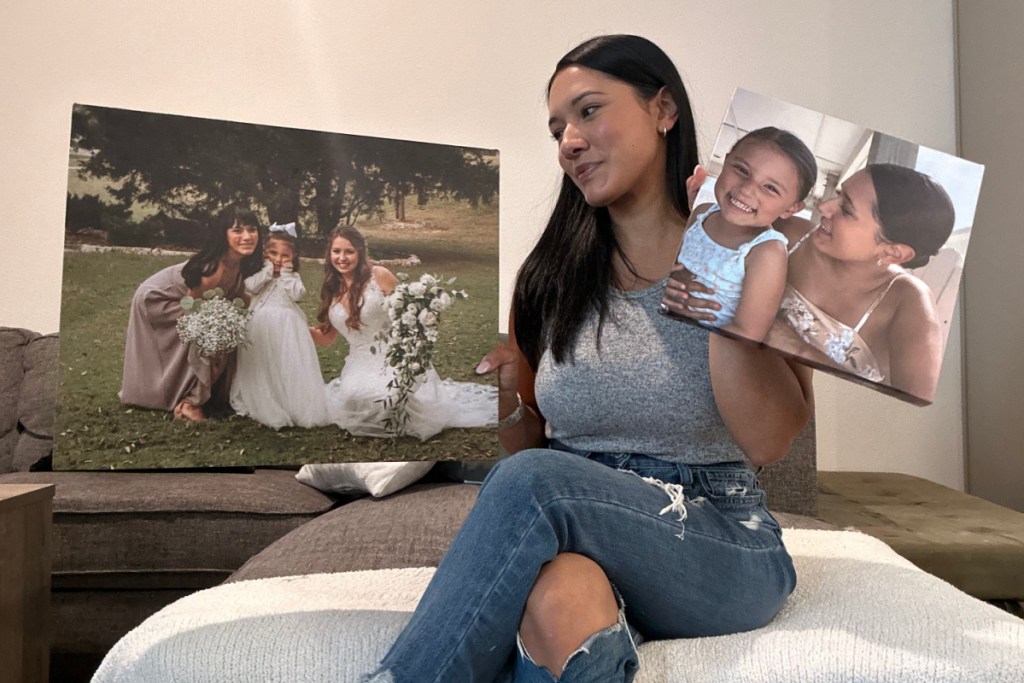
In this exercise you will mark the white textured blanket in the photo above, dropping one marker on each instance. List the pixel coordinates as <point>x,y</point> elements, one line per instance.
<point>859,613</point>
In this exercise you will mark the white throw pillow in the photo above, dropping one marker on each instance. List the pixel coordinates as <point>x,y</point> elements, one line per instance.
<point>376,478</point>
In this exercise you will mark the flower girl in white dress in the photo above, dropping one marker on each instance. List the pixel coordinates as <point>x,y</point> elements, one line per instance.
<point>278,380</point>
<point>353,304</point>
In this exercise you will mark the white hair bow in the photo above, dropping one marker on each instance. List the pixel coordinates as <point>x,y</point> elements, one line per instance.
<point>287,227</point>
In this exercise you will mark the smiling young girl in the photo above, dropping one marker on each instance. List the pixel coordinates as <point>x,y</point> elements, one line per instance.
<point>732,246</point>
<point>278,380</point>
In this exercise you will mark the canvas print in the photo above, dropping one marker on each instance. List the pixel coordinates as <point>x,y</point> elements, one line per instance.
<point>238,294</point>
<point>837,245</point>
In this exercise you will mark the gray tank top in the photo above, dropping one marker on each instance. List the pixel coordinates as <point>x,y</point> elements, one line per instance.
<point>647,390</point>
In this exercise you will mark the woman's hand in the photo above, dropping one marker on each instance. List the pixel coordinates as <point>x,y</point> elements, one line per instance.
<point>321,338</point>
<point>693,183</point>
<point>504,360</point>
<point>515,385</point>
<point>678,297</point>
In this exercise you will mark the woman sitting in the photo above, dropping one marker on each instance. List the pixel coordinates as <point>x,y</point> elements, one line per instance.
<point>160,370</point>
<point>570,556</point>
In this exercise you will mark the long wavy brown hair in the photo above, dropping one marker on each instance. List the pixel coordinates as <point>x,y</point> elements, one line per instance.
<point>334,286</point>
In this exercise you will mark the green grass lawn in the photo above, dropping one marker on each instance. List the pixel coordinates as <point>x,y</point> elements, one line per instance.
<point>97,432</point>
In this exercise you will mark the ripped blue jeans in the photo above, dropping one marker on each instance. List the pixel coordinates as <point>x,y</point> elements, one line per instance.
<point>712,563</point>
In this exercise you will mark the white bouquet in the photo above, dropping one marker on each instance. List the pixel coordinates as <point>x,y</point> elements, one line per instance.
<point>214,324</point>
<point>415,309</point>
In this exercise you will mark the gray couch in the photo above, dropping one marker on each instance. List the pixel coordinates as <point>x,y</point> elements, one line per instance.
<point>125,544</point>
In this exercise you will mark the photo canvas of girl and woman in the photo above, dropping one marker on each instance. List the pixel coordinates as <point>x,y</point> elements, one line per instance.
<point>238,294</point>
<point>833,244</point>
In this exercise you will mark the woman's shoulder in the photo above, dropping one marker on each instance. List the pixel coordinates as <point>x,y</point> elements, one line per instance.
<point>793,228</point>
<point>168,276</point>
<point>698,213</point>
<point>383,278</point>
<point>701,211</point>
<point>909,291</point>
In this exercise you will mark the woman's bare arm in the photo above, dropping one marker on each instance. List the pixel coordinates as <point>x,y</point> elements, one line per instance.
<point>915,340</point>
<point>515,383</point>
<point>321,338</point>
<point>764,399</point>
<point>385,279</point>
<point>763,283</point>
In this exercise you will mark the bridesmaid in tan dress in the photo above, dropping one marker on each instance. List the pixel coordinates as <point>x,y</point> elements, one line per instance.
<point>161,371</point>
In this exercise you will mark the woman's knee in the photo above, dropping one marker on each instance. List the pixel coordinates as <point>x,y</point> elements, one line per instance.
<point>571,600</point>
<point>572,584</point>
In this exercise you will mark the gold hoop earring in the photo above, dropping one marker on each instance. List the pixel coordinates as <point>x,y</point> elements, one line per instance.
<point>664,132</point>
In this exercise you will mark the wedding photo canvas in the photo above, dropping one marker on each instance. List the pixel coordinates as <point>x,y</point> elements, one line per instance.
<point>836,245</point>
<point>237,294</point>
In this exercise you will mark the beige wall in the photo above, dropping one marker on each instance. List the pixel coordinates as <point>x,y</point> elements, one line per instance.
<point>991,101</point>
<point>468,72</point>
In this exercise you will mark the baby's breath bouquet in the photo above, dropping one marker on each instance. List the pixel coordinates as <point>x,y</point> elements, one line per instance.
<point>415,309</point>
<point>214,324</point>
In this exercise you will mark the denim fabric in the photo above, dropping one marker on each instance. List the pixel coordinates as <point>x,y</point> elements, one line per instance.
<point>720,570</point>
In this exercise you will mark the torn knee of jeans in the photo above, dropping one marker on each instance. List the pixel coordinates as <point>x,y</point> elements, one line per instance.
<point>615,640</point>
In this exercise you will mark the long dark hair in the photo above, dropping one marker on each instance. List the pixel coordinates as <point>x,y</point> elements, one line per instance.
<point>204,262</point>
<point>569,272</point>
<point>913,209</point>
<point>334,284</point>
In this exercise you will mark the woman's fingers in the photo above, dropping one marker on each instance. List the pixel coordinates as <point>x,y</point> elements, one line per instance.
<point>505,361</point>
<point>682,296</point>
<point>689,307</point>
<point>681,279</point>
<point>693,183</point>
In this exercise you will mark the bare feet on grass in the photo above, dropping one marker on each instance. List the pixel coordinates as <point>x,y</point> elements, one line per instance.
<point>188,411</point>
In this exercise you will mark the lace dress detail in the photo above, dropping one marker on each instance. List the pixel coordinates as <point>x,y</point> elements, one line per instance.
<point>354,398</point>
<point>720,267</point>
<point>841,343</point>
<point>278,380</point>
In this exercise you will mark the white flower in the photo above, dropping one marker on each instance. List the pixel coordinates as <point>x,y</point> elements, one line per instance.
<point>428,318</point>
<point>215,325</point>
<point>442,302</point>
<point>838,347</point>
<point>408,344</point>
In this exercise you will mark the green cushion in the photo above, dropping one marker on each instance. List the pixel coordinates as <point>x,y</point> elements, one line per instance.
<point>974,544</point>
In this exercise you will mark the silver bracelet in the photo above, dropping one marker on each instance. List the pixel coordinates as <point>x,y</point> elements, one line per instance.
<point>513,418</point>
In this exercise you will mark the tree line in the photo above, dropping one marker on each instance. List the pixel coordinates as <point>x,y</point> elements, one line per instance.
<point>189,168</point>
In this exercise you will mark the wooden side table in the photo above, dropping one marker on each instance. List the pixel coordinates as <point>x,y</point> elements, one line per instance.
<point>26,512</point>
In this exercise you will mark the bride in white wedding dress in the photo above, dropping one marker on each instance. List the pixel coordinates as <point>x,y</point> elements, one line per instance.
<point>353,305</point>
